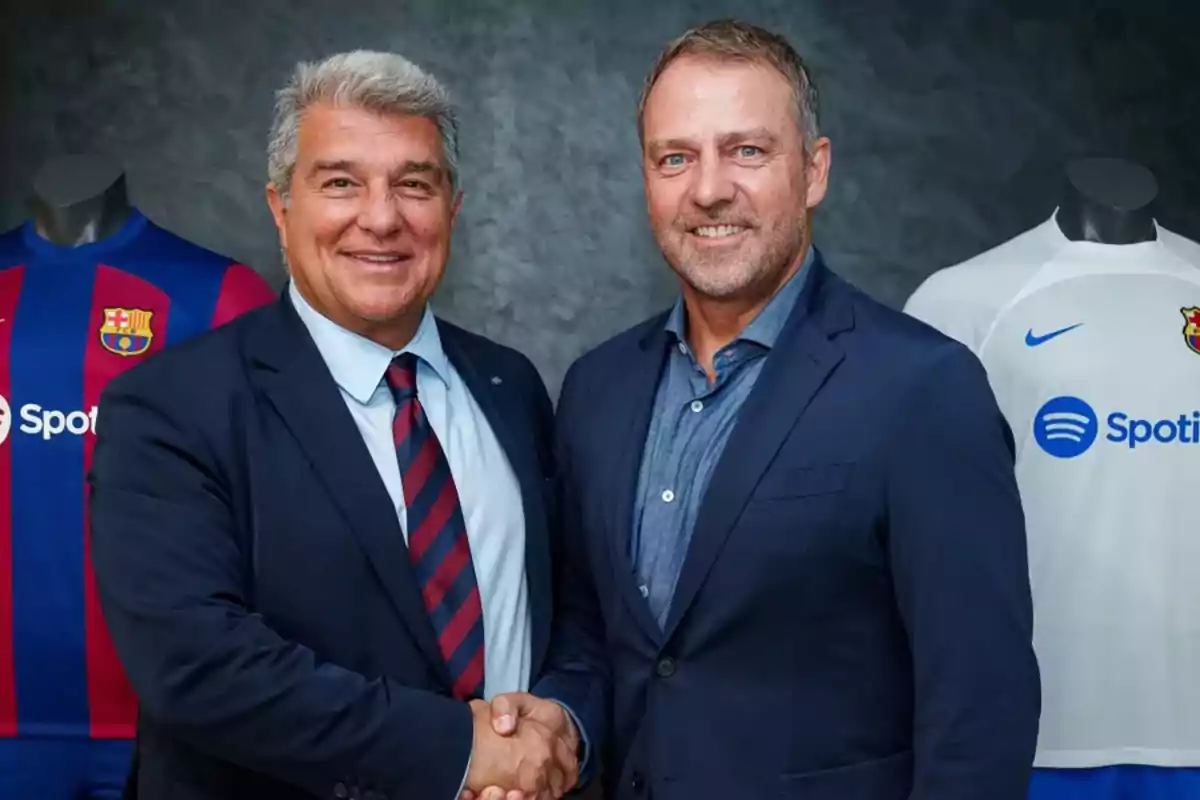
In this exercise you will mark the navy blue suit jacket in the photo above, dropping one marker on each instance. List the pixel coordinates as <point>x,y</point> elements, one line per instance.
<point>255,578</point>
<point>853,620</point>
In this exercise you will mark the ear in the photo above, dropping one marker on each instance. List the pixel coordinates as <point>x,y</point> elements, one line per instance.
<point>816,169</point>
<point>456,206</point>
<point>278,206</point>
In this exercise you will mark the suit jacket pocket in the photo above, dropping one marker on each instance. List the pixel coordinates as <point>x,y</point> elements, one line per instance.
<point>888,778</point>
<point>781,483</point>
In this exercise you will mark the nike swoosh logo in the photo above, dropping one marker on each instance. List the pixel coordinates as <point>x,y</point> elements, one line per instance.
<point>1034,341</point>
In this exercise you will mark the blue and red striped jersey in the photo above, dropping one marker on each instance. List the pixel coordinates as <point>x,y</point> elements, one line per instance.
<point>71,319</point>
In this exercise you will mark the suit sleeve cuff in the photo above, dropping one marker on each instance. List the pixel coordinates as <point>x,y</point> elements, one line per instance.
<point>585,747</point>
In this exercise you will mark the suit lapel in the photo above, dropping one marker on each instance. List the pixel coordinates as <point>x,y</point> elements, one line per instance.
<point>634,393</point>
<point>504,415</point>
<point>796,368</point>
<point>295,378</point>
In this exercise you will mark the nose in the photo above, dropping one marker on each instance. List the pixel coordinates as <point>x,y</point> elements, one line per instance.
<point>380,212</point>
<point>713,185</point>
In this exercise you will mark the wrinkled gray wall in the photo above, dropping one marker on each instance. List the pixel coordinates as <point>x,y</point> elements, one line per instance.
<point>951,121</point>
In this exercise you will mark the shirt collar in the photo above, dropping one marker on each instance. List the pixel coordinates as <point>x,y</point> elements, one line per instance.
<point>357,363</point>
<point>766,326</point>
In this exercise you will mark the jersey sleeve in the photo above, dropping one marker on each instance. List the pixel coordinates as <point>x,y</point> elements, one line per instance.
<point>242,290</point>
<point>939,303</point>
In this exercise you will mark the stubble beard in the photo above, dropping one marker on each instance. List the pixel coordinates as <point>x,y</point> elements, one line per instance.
<point>755,268</point>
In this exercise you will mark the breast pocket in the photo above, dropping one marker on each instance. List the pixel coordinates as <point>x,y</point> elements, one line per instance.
<point>785,483</point>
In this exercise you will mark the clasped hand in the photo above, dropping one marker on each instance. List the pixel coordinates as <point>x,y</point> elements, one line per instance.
<point>525,749</point>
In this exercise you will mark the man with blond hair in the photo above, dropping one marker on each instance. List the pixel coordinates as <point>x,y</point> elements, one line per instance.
<point>320,533</point>
<point>795,552</point>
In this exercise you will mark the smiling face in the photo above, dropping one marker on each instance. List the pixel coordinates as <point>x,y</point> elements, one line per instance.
<point>367,226</point>
<point>728,183</point>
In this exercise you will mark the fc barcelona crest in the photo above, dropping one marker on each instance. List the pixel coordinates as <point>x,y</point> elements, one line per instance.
<point>126,331</point>
<point>1191,329</point>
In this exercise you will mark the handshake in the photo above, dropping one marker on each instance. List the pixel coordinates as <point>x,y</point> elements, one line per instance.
<point>525,748</point>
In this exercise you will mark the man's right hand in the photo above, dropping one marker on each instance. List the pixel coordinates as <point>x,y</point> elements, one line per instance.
<point>510,710</point>
<point>532,762</point>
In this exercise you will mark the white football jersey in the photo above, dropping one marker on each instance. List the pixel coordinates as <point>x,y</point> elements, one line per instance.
<point>1093,352</point>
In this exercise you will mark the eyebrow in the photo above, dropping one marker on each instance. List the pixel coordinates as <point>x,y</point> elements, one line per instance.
<point>754,134</point>
<point>724,140</point>
<point>421,166</point>
<point>407,168</point>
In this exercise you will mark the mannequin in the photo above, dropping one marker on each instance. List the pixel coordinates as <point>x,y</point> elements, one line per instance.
<point>89,287</point>
<point>79,199</point>
<point>1083,324</point>
<point>1108,201</point>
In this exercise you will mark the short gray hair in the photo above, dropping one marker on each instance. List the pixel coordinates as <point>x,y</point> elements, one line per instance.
<point>383,82</point>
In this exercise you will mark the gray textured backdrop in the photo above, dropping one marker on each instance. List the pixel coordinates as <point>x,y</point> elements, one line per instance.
<point>951,121</point>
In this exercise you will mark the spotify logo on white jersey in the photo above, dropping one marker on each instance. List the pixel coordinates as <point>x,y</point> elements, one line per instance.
<point>1066,427</point>
<point>5,419</point>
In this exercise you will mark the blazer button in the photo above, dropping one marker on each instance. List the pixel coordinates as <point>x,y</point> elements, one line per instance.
<point>666,667</point>
<point>339,791</point>
<point>637,782</point>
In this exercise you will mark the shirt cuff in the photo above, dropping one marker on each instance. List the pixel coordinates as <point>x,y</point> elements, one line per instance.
<point>466,772</point>
<point>585,746</point>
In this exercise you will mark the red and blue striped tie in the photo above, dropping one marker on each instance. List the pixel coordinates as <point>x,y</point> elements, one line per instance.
<point>437,534</point>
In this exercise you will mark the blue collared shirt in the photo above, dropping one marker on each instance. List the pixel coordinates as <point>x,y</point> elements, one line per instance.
<point>690,425</point>
<point>487,486</point>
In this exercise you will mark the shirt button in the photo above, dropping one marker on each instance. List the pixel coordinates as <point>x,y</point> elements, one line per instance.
<point>697,406</point>
<point>668,496</point>
<point>645,590</point>
<point>683,348</point>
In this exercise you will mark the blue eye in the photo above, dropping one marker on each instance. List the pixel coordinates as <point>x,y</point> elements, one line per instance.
<point>749,150</point>
<point>674,160</point>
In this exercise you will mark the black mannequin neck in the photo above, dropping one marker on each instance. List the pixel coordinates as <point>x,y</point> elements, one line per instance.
<point>78,200</point>
<point>1109,201</point>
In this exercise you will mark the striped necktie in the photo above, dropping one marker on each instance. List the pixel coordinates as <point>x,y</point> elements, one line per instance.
<point>437,535</point>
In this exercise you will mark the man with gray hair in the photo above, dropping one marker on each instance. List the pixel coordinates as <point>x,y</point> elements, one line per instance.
<point>321,534</point>
<point>794,539</point>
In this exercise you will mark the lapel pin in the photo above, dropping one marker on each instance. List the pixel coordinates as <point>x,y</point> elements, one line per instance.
<point>496,380</point>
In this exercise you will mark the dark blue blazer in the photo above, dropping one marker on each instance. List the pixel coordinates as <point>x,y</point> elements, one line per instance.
<point>255,579</point>
<point>853,620</point>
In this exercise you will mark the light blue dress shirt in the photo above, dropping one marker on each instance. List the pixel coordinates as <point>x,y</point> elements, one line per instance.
<point>488,489</point>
